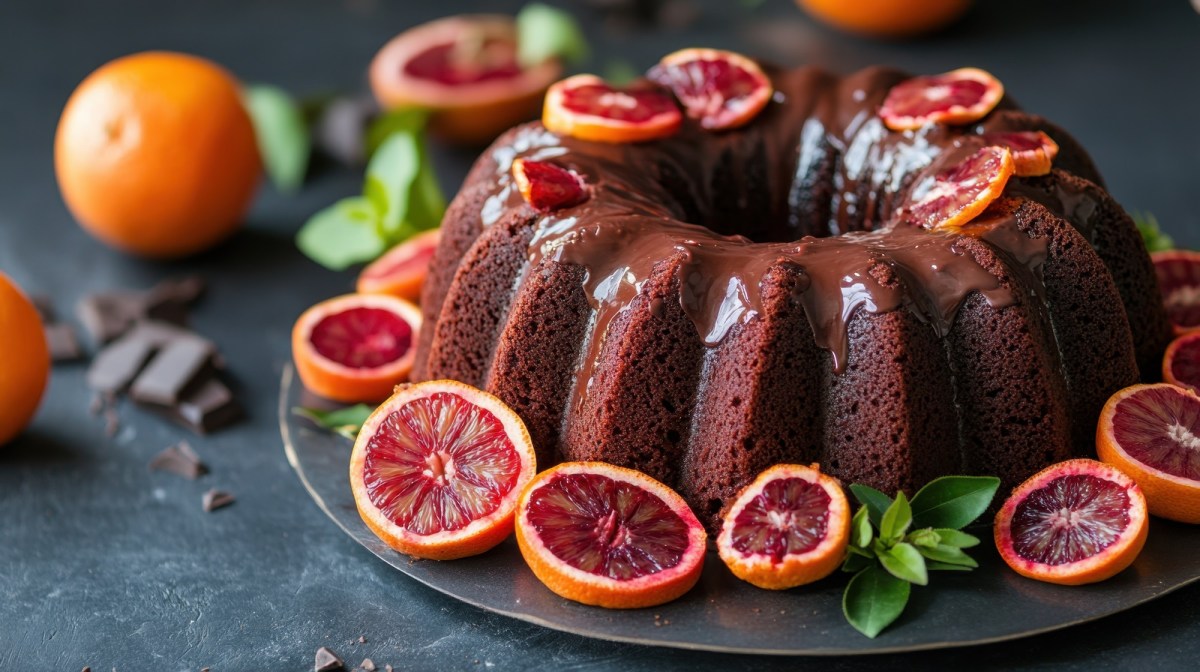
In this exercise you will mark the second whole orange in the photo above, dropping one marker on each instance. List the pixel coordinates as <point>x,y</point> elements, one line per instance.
<point>886,18</point>
<point>156,155</point>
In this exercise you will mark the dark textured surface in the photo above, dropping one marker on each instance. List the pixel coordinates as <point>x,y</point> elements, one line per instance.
<point>105,564</point>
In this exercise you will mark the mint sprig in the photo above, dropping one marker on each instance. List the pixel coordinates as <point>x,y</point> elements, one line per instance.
<point>344,421</point>
<point>1152,234</point>
<point>400,198</point>
<point>281,132</point>
<point>895,543</point>
<point>545,32</point>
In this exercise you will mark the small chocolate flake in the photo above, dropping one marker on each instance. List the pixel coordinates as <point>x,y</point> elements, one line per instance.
<point>327,661</point>
<point>96,404</point>
<point>181,460</point>
<point>204,669</point>
<point>368,665</point>
<point>215,499</point>
<point>387,668</point>
<point>112,421</point>
<point>362,639</point>
<point>87,668</point>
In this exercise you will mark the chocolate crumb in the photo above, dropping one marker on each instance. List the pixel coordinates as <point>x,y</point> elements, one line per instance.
<point>215,499</point>
<point>87,668</point>
<point>112,421</point>
<point>368,665</point>
<point>362,639</point>
<point>181,460</point>
<point>96,404</point>
<point>327,661</point>
<point>387,668</point>
<point>204,669</point>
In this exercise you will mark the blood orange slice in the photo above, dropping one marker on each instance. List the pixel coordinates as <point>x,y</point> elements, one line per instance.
<point>609,536</point>
<point>355,347</point>
<point>1152,433</point>
<point>1033,152</point>
<point>465,70</point>
<point>1181,364</point>
<point>1075,522</point>
<point>437,469</point>
<point>718,88</point>
<point>1179,281</point>
<point>586,107</point>
<point>960,193</point>
<point>960,96</point>
<point>547,186</point>
<point>401,270</point>
<point>789,527</point>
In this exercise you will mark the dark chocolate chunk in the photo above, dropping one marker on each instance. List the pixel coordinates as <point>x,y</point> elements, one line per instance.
<point>367,665</point>
<point>362,639</point>
<point>209,408</point>
<point>64,347</point>
<point>215,499</point>
<point>176,369</point>
<point>115,367</point>
<point>181,460</point>
<point>327,661</point>
<point>107,316</point>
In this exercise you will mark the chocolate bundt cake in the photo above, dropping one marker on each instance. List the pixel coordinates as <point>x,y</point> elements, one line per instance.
<point>725,301</point>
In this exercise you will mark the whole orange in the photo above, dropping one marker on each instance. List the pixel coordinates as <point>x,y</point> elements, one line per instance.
<point>24,360</point>
<point>886,18</point>
<point>156,156</point>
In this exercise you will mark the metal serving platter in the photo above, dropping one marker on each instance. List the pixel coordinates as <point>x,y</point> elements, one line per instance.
<point>990,604</point>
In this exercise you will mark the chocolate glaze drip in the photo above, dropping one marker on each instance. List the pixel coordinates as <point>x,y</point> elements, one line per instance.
<point>841,176</point>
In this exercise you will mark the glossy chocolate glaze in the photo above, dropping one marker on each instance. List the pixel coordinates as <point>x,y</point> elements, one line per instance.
<point>815,182</point>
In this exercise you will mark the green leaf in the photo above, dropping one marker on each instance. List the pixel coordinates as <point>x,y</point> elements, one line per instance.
<point>342,234</point>
<point>856,563</point>
<point>1152,235</point>
<point>860,529</point>
<point>875,501</point>
<point>282,134</point>
<point>620,73</point>
<point>956,538</point>
<point>406,120</point>
<point>949,555</point>
<point>924,537</point>
<point>904,561</point>
<point>953,501</point>
<point>866,552</point>
<point>390,176</point>
<point>873,600</point>
<point>545,32</point>
<point>896,519</point>
<point>935,566</point>
<point>345,421</point>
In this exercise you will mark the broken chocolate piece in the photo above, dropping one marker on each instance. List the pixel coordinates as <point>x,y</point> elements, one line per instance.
<point>209,408</point>
<point>215,499</point>
<point>181,460</point>
<point>115,367</point>
<point>107,316</point>
<point>327,661</point>
<point>367,665</point>
<point>64,347</point>
<point>176,369</point>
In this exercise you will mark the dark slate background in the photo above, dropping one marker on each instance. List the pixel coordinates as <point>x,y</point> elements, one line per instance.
<point>107,565</point>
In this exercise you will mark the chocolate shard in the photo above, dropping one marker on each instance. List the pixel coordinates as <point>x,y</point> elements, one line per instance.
<point>177,368</point>
<point>107,316</point>
<point>181,460</point>
<point>64,347</point>
<point>215,499</point>
<point>327,661</point>
<point>367,665</point>
<point>115,367</point>
<point>209,408</point>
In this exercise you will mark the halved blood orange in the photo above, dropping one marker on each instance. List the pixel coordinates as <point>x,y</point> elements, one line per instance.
<point>789,527</point>
<point>356,347</point>
<point>1033,152</point>
<point>1179,281</point>
<point>720,89</point>
<point>401,270</point>
<point>1152,433</point>
<point>960,96</point>
<point>609,536</point>
<point>548,186</point>
<point>1181,364</point>
<point>960,193</point>
<point>465,70</point>
<point>586,107</point>
<point>1075,522</point>
<point>437,469</point>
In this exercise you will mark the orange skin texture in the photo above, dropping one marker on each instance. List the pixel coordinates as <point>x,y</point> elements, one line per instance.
<point>1035,162</point>
<point>886,18</point>
<point>156,156</point>
<point>339,383</point>
<point>795,569</point>
<point>405,284</point>
<point>482,534</point>
<point>467,114</point>
<point>1171,354</point>
<point>566,581</point>
<point>1104,565</point>
<point>558,119</point>
<point>26,360</point>
<point>1167,496</point>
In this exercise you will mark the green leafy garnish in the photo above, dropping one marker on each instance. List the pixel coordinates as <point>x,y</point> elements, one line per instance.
<point>895,543</point>
<point>545,32</point>
<point>401,198</point>
<point>344,421</point>
<point>282,134</point>
<point>1152,235</point>
<point>620,73</point>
